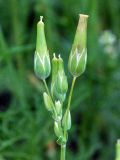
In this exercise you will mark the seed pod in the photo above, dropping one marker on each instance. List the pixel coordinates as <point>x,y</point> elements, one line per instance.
<point>48,102</point>
<point>78,55</point>
<point>59,84</point>
<point>42,64</point>
<point>118,150</point>
<point>66,122</point>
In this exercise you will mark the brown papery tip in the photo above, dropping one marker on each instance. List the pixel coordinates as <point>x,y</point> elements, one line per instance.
<point>83,15</point>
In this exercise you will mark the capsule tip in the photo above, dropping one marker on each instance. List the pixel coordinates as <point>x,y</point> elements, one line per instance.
<point>83,15</point>
<point>41,18</point>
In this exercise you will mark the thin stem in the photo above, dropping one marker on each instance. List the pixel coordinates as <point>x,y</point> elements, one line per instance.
<point>46,87</point>
<point>63,150</point>
<point>71,91</point>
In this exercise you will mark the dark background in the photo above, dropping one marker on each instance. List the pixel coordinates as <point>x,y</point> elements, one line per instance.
<point>26,128</point>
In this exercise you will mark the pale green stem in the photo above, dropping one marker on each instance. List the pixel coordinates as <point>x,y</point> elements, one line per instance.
<point>71,91</point>
<point>63,150</point>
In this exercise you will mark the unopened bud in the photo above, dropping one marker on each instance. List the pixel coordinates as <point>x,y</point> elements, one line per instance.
<point>48,102</point>
<point>66,122</point>
<point>57,129</point>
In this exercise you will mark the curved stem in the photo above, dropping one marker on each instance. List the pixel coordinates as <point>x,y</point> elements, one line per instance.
<point>71,91</point>
<point>63,150</point>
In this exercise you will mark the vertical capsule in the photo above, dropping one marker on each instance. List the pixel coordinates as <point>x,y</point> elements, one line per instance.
<point>78,55</point>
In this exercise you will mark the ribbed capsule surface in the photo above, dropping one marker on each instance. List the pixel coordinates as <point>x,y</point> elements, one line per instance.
<point>59,84</point>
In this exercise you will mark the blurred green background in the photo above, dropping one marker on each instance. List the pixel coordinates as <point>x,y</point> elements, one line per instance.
<point>26,128</point>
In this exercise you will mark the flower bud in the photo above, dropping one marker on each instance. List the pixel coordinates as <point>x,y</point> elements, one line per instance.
<point>66,122</point>
<point>48,102</point>
<point>58,108</point>
<point>42,65</point>
<point>78,55</point>
<point>59,84</point>
<point>57,129</point>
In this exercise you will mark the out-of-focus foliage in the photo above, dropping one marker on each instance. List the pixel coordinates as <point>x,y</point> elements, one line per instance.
<point>26,130</point>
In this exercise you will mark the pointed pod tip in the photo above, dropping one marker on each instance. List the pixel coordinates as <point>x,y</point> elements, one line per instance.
<point>83,15</point>
<point>41,18</point>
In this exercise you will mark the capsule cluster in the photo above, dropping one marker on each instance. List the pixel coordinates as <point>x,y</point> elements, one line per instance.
<point>54,99</point>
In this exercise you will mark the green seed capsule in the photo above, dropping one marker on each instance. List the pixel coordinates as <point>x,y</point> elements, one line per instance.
<point>42,64</point>
<point>78,55</point>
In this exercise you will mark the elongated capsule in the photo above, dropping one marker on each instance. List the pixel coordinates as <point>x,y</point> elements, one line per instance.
<point>78,55</point>
<point>42,64</point>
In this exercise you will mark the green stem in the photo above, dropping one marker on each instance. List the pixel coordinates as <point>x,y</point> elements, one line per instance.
<point>71,91</point>
<point>63,150</point>
<point>46,87</point>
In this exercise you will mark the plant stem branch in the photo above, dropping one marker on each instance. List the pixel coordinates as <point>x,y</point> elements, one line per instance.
<point>71,91</point>
<point>46,87</point>
<point>63,150</point>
